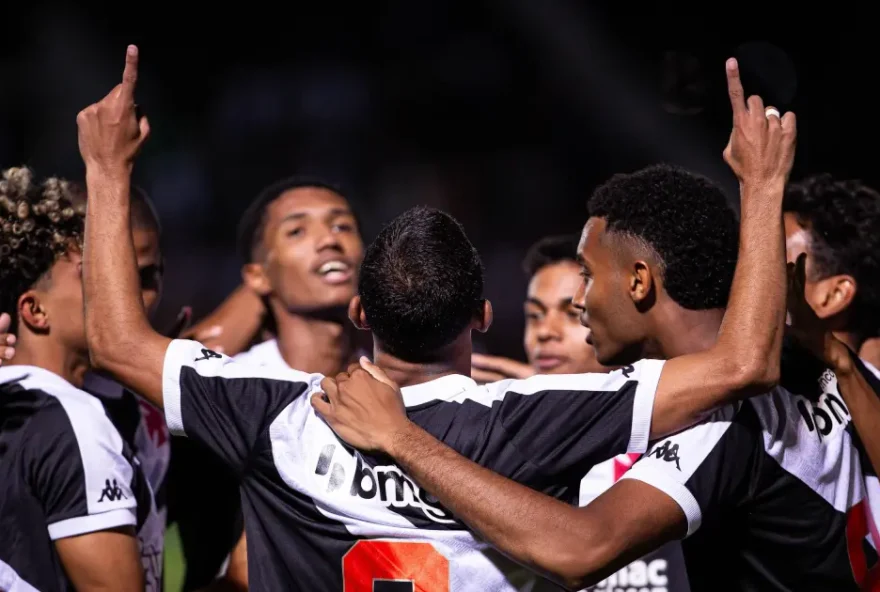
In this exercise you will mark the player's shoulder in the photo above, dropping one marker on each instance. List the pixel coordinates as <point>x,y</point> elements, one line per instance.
<point>58,407</point>
<point>618,379</point>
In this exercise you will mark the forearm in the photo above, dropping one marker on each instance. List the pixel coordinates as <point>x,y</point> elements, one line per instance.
<point>239,319</point>
<point>528,526</point>
<point>750,338</point>
<point>121,340</point>
<point>864,407</point>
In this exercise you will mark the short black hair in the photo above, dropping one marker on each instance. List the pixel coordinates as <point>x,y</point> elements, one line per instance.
<point>686,220</point>
<point>550,250</point>
<point>39,223</point>
<point>253,221</point>
<point>843,220</point>
<point>421,283</point>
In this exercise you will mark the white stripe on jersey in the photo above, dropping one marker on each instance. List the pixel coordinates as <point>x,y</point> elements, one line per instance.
<point>100,448</point>
<point>10,581</point>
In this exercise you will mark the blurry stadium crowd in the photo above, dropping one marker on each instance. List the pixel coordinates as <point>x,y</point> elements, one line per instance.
<point>302,254</point>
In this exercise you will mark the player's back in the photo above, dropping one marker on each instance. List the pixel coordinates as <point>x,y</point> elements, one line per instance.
<point>321,516</point>
<point>777,490</point>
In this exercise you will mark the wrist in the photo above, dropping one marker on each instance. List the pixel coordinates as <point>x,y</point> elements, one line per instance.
<point>116,173</point>
<point>397,440</point>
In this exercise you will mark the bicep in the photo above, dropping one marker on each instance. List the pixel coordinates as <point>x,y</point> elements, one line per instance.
<point>104,560</point>
<point>141,368</point>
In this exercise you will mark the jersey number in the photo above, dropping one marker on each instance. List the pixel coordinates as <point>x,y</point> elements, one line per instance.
<point>394,566</point>
<point>867,578</point>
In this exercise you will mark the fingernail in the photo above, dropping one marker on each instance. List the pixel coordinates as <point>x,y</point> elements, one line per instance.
<point>9,353</point>
<point>731,64</point>
<point>132,50</point>
<point>10,340</point>
<point>214,331</point>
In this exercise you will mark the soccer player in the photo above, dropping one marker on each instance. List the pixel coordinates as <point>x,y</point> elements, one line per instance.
<point>837,225</point>
<point>76,510</point>
<point>556,343</point>
<point>772,493</point>
<point>315,511</point>
<point>302,249</point>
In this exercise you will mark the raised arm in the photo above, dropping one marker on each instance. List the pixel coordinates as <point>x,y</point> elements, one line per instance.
<point>745,359</point>
<point>121,340</point>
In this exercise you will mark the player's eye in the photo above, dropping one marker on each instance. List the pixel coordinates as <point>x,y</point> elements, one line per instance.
<point>343,227</point>
<point>295,231</point>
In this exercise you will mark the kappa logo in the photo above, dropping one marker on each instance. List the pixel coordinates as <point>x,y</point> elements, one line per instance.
<point>111,491</point>
<point>208,354</point>
<point>386,484</point>
<point>667,452</point>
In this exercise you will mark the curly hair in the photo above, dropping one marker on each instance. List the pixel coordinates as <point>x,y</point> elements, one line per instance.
<point>843,221</point>
<point>39,222</point>
<point>686,220</point>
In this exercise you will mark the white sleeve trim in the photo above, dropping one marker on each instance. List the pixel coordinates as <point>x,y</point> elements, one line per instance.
<point>176,351</point>
<point>643,405</point>
<point>677,491</point>
<point>92,523</point>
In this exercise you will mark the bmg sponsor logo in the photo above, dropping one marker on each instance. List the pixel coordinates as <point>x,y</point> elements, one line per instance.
<point>638,576</point>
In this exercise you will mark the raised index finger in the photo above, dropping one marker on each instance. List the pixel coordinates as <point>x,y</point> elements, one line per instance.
<point>130,73</point>
<point>735,88</point>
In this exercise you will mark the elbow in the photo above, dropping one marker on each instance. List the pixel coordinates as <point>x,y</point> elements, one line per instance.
<point>573,566</point>
<point>754,376</point>
<point>108,350</point>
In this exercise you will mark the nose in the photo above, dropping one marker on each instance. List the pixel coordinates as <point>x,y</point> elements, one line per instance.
<point>328,240</point>
<point>550,327</point>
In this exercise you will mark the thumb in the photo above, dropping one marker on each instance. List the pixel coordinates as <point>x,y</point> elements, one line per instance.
<point>144,125</point>
<point>376,372</point>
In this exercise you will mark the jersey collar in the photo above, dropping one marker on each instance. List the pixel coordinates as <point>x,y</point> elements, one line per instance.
<point>443,388</point>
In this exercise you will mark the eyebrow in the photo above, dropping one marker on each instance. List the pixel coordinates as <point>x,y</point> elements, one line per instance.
<point>334,213</point>
<point>536,302</point>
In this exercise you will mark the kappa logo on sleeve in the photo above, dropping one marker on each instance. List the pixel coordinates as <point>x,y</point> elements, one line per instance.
<point>111,492</point>
<point>207,354</point>
<point>667,452</point>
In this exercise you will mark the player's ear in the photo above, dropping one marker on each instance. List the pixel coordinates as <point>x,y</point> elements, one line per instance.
<point>255,278</point>
<point>32,312</point>
<point>641,285</point>
<point>356,314</point>
<point>832,295</point>
<point>484,317</point>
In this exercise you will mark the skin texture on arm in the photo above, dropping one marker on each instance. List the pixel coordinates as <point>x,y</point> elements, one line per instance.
<point>233,325</point>
<point>580,546</point>
<point>105,561</point>
<point>121,340</point>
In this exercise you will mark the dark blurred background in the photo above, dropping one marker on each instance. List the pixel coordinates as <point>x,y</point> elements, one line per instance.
<point>504,112</point>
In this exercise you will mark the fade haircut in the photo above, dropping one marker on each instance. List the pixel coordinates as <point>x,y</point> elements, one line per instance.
<point>421,284</point>
<point>843,222</point>
<point>39,223</point>
<point>549,251</point>
<point>685,220</point>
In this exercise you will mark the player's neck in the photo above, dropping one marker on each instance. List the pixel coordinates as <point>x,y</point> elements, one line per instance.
<point>853,341</point>
<point>312,344</point>
<point>42,352</point>
<point>453,359</point>
<point>679,331</point>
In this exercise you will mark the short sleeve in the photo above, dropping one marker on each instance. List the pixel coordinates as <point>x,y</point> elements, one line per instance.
<point>80,471</point>
<point>568,423</point>
<point>225,404</point>
<point>705,469</point>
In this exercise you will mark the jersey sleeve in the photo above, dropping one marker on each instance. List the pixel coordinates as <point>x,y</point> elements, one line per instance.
<point>225,404</point>
<point>568,423</point>
<point>706,469</point>
<point>81,472</point>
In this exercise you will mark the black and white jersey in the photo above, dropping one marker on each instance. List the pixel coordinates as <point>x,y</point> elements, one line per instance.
<point>320,516</point>
<point>65,471</point>
<point>777,491</point>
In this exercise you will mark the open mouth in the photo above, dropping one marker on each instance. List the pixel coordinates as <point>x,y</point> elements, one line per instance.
<point>335,272</point>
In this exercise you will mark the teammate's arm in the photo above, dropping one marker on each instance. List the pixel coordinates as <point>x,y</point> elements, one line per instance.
<point>121,340</point>
<point>233,325</point>
<point>103,561</point>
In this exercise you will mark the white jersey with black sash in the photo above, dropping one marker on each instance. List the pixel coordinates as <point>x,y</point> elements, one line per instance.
<point>66,472</point>
<point>777,490</point>
<point>321,516</point>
